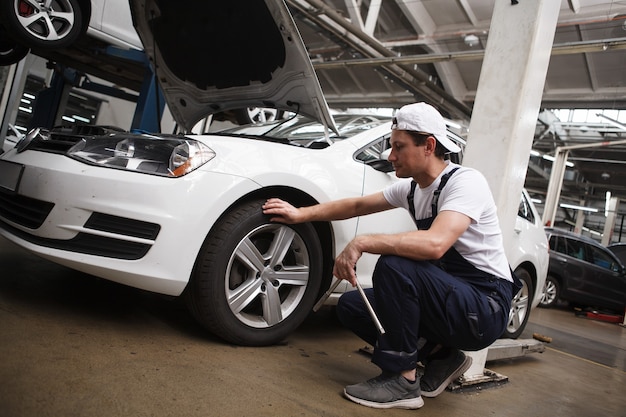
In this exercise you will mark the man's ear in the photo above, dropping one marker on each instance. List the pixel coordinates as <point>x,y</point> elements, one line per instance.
<point>431,144</point>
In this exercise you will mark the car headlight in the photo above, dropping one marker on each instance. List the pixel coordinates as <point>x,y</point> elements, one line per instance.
<point>170,157</point>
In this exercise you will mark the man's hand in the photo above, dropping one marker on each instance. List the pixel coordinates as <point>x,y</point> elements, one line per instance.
<point>345,264</point>
<point>283,212</point>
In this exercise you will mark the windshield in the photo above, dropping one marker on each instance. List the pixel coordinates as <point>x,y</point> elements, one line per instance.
<point>301,130</point>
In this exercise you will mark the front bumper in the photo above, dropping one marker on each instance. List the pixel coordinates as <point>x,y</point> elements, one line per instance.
<point>136,229</point>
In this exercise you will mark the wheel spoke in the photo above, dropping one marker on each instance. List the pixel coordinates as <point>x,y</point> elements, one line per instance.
<point>67,17</point>
<point>514,319</point>
<point>296,275</point>
<point>26,21</point>
<point>272,311</point>
<point>520,301</point>
<point>243,295</point>
<point>249,254</point>
<point>280,245</point>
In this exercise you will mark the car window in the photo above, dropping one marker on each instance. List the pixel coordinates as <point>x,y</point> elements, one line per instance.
<point>374,150</point>
<point>525,211</point>
<point>603,259</point>
<point>576,249</point>
<point>557,244</point>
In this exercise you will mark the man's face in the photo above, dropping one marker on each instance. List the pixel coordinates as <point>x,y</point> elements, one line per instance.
<point>407,158</point>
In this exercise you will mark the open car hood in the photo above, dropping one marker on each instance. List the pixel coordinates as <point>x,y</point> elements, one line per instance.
<point>217,55</point>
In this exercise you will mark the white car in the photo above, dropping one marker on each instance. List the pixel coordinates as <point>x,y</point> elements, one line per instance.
<point>53,24</point>
<point>181,214</point>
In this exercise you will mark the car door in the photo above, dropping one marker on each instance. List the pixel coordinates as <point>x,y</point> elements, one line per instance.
<point>607,283</point>
<point>569,255</point>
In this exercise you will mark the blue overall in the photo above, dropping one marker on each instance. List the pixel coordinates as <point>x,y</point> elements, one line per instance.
<point>425,303</point>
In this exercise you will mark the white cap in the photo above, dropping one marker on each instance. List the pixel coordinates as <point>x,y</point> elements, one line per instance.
<point>424,118</point>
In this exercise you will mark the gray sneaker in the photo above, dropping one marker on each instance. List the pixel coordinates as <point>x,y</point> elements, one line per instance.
<point>386,391</point>
<point>440,372</point>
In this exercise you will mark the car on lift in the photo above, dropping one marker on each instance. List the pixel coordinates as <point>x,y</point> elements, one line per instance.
<point>54,24</point>
<point>584,273</point>
<point>181,214</point>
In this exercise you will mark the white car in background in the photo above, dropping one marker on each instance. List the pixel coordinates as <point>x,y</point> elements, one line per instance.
<point>181,214</point>
<point>53,24</point>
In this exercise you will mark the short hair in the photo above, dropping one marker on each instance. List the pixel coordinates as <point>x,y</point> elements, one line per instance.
<point>419,139</point>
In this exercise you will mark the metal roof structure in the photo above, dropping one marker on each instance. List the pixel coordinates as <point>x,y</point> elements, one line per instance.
<point>388,53</point>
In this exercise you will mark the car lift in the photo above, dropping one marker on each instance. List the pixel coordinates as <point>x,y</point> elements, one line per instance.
<point>478,377</point>
<point>150,101</point>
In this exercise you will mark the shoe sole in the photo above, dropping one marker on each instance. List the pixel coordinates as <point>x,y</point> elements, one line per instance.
<point>408,404</point>
<point>454,375</point>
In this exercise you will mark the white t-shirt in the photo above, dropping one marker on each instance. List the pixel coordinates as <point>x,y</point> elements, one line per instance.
<point>466,192</point>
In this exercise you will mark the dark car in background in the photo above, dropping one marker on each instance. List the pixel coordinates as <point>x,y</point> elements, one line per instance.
<point>619,250</point>
<point>583,272</point>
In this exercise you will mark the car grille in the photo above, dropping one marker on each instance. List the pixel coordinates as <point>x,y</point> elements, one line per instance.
<point>92,244</point>
<point>24,211</point>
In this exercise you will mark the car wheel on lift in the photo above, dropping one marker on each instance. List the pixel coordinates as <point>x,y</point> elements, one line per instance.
<point>255,281</point>
<point>551,292</point>
<point>11,52</point>
<point>56,26</point>
<point>520,306</point>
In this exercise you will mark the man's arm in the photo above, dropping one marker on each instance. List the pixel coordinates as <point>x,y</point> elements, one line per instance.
<point>283,212</point>
<point>429,244</point>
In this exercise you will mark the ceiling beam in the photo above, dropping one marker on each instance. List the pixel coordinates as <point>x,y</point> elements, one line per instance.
<point>467,9</point>
<point>561,49</point>
<point>413,78</point>
<point>574,5</point>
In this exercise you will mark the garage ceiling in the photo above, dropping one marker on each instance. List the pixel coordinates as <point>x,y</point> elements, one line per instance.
<point>387,53</point>
<point>375,53</point>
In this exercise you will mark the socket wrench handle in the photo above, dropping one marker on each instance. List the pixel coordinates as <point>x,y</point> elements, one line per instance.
<point>377,322</point>
<point>327,294</point>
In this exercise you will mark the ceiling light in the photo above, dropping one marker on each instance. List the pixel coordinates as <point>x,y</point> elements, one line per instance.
<point>581,208</point>
<point>471,40</point>
<point>552,159</point>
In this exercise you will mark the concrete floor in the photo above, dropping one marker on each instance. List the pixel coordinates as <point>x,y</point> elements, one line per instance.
<point>74,345</point>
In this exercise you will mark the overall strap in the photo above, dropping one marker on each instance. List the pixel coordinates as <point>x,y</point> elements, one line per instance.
<point>411,196</point>
<point>442,183</point>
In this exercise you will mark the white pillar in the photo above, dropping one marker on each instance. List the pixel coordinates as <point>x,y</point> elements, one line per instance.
<point>580,219</point>
<point>508,99</point>
<point>507,105</point>
<point>609,224</point>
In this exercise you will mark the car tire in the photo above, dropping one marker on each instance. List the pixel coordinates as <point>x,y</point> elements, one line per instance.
<point>520,306</point>
<point>257,115</point>
<point>50,31</point>
<point>255,281</point>
<point>11,52</point>
<point>550,293</point>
